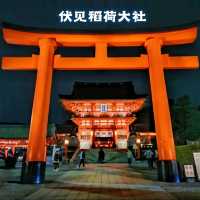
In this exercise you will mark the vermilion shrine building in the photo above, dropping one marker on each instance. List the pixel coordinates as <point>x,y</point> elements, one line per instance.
<point>103,113</point>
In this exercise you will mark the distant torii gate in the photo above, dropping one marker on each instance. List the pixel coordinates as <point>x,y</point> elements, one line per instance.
<point>46,61</point>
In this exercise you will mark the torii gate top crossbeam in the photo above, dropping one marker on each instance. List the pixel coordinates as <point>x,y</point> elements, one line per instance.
<point>100,61</point>
<point>84,40</point>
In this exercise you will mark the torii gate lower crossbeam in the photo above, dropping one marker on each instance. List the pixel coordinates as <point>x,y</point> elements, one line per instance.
<point>46,61</point>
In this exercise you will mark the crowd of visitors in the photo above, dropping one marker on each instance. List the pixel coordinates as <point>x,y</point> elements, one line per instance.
<point>9,157</point>
<point>150,154</point>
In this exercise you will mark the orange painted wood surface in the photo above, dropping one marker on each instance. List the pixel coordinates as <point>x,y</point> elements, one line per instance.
<point>163,126</point>
<point>118,63</point>
<point>184,36</point>
<point>40,109</point>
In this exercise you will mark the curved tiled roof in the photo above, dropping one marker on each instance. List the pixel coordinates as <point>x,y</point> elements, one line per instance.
<point>20,131</point>
<point>113,90</point>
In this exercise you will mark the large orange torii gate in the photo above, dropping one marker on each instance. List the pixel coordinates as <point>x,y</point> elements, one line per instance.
<point>46,61</point>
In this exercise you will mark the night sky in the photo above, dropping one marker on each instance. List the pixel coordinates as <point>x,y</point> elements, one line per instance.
<point>17,87</point>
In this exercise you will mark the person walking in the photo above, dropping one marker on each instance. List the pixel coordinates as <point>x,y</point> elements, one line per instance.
<point>82,159</point>
<point>56,161</point>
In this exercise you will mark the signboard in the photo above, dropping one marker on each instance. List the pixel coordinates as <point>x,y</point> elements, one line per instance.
<point>85,144</point>
<point>189,171</point>
<point>197,164</point>
<point>121,144</point>
<point>103,133</point>
<point>100,16</point>
<point>104,108</point>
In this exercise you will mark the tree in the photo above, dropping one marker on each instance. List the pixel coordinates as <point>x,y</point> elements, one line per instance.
<point>181,115</point>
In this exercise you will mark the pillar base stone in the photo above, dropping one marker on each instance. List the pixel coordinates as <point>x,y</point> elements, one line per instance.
<point>168,171</point>
<point>34,172</point>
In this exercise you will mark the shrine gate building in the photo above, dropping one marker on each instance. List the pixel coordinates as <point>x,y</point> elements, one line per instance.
<point>103,113</point>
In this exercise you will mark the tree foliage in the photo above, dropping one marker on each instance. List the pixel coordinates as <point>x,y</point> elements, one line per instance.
<point>185,120</point>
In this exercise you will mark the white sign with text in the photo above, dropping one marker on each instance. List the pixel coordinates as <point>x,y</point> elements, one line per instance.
<point>100,16</point>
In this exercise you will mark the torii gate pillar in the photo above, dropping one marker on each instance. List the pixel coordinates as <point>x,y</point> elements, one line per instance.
<point>36,155</point>
<point>166,149</point>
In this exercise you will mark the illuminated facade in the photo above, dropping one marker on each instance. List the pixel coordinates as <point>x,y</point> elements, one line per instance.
<point>16,136</point>
<point>102,120</point>
<point>103,123</point>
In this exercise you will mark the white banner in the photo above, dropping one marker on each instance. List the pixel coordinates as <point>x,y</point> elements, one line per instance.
<point>197,163</point>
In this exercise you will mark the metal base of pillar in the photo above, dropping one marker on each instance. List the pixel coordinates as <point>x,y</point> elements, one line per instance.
<point>33,173</point>
<point>168,171</point>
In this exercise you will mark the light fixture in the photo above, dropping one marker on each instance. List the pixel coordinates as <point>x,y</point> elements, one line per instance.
<point>66,142</point>
<point>138,141</point>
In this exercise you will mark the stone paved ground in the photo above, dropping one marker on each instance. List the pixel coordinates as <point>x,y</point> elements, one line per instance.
<point>96,182</point>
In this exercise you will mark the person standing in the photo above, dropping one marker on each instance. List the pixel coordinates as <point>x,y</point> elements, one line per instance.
<point>24,165</point>
<point>9,160</point>
<point>2,154</point>
<point>155,157</point>
<point>149,156</point>
<point>129,156</point>
<point>82,159</point>
<point>101,156</point>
